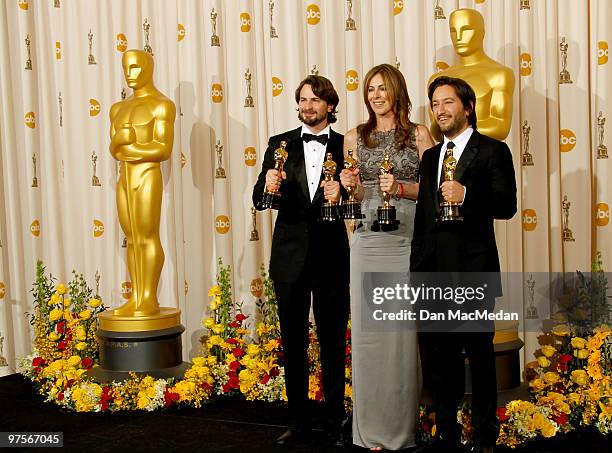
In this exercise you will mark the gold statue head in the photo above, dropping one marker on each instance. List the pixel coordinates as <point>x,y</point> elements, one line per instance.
<point>467,31</point>
<point>137,68</point>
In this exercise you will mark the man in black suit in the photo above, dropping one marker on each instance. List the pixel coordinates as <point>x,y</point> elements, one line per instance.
<point>465,252</point>
<point>309,257</point>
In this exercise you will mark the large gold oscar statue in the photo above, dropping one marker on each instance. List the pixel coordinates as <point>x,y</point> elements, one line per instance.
<point>492,82</point>
<point>140,335</point>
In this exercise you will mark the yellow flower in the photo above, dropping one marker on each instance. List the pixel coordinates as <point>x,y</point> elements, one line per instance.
<point>261,329</point>
<point>581,353</point>
<point>580,377</point>
<point>55,314</point>
<point>74,360</point>
<point>208,323</point>
<point>574,398</point>
<point>199,361</point>
<point>578,343</point>
<point>253,349</point>
<point>67,302</point>
<point>214,291</point>
<point>94,303</point>
<point>272,345</point>
<point>61,289</point>
<point>85,314</point>
<point>55,299</point>
<point>81,346</point>
<point>543,362</point>
<point>79,333</point>
<point>217,328</point>
<point>551,377</point>
<point>606,410</point>
<point>215,340</point>
<point>67,315</point>
<point>602,328</point>
<point>561,330</point>
<point>211,360</point>
<point>213,304</point>
<point>548,350</point>
<point>53,336</point>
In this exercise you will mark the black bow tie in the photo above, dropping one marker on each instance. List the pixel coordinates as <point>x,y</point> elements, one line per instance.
<point>322,139</point>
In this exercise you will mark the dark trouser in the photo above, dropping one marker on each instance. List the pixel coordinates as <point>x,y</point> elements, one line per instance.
<point>330,306</point>
<point>446,372</point>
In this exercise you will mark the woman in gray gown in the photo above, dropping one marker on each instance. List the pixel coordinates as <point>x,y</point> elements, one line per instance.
<point>386,385</point>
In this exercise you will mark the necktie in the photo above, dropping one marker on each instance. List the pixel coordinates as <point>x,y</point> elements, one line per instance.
<point>319,138</point>
<point>449,147</point>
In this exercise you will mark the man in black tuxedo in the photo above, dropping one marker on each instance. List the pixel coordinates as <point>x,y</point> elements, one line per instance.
<point>463,252</point>
<point>309,257</point>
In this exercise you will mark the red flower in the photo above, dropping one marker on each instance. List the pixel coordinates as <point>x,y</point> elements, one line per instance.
<point>234,382</point>
<point>238,352</point>
<point>170,398</point>
<point>61,345</point>
<point>61,326</point>
<point>104,405</point>
<point>38,362</point>
<point>86,363</point>
<point>275,371</point>
<point>234,365</point>
<point>60,396</point>
<point>206,387</point>
<point>348,334</point>
<point>561,366</point>
<point>560,419</point>
<point>265,379</point>
<point>565,358</point>
<point>501,414</point>
<point>231,341</point>
<point>240,317</point>
<point>234,324</point>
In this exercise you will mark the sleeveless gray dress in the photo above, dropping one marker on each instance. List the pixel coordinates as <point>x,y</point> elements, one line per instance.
<point>386,382</point>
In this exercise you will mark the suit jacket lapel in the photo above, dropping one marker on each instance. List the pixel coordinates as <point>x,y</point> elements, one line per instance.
<point>468,154</point>
<point>295,148</point>
<point>433,171</point>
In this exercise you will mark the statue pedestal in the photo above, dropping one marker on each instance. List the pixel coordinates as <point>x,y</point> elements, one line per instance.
<point>145,345</point>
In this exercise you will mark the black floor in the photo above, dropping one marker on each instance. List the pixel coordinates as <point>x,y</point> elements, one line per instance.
<point>222,426</point>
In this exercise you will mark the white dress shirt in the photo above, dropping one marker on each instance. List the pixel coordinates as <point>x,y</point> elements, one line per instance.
<point>314,155</point>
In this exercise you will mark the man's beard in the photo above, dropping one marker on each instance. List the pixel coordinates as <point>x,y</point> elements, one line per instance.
<point>312,121</point>
<point>455,126</point>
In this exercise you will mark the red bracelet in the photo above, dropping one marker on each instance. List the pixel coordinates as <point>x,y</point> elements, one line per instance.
<point>400,191</point>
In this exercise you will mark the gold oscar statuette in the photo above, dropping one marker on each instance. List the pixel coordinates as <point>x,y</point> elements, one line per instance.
<point>28,64</point>
<point>568,236</point>
<point>214,39</point>
<point>56,3</point>
<point>146,27</point>
<point>564,75</point>
<point>97,278</point>
<point>90,57</point>
<point>525,4</point>
<point>124,243</point>
<point>271,198</point>
<point>526,157</point>
<point>34,179</point>
<point>248,100</point>
<point>532,311</point>
<point>349,24</point>
<point>386,212</point>
<point>220,171</point>
<point>602,151</point>
<point>60,106</point>
<point>449,210</point>
<point>314,70</point>
<point>329,209</point>
<point>142,134</point>
<point>123,94</point>
<point>254,233</point>
<point>351,208</point>
<point>95,181</point>
<point>492,82</point>
<point>438,11</point>
<point>397,63</point>
<point>273,33</point>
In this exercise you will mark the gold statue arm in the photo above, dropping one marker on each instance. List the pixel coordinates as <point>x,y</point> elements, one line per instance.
<point>499,120</point>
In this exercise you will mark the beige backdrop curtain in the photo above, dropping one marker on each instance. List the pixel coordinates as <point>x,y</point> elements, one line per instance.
<point>54,129</point>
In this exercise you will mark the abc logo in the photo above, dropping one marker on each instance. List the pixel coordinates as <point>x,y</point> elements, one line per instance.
<point>525,64</point>
<point>250,156</point>
<point>94,107</point>
<point>23,4</point>
<point>352,80</point>
<point>35,228</point>
<point>217,92</point>
<point>530,220</point>
<point>313,15</point>
<point>245,22</point>
<point>398,6</point>
<point>256,287</point>
<point>126,290</point>
<point>602,214</point>
<point>602,52</point>
<point>277,86</point>
<point>222,224</point>
<point>480,1</point>
<point>30,120</point>
<point>98,228</point>
<point>441,65</point>
<point>2,290</point>
<point>121,42</point>
<point>183,160</point>
<point>58,50</point>
<point>181,32</point>
<point>567,140</point>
